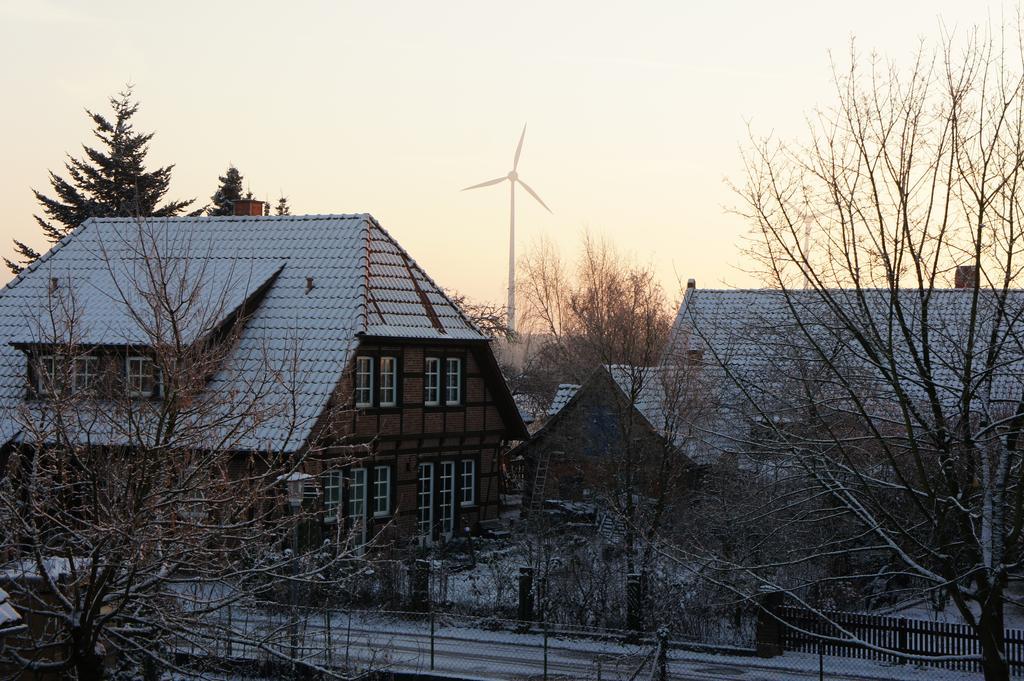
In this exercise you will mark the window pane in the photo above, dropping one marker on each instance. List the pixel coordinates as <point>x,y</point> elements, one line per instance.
<point>425,498</point>
<point>357,505</point>
<point>46,375</point>
<point>388,381</point>
<point>453,381</point>
<point>139,375</point>
<point>357,493</point>
<point>364,381</point>
<point>468,482</point>
<point>382,490</point>
<point>432,381</point>
<point>332,495</point>
<point>446,493</point>
<point>85,372</point>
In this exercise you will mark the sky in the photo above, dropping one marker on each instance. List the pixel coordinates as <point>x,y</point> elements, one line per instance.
<point>637,112</point>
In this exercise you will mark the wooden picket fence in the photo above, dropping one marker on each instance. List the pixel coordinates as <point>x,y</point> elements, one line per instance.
<point>808,633</point>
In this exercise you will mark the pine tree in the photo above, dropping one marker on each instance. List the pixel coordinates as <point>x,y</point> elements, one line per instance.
<point>282,207</point>
<point>229,191</point>
<point>110,181</point>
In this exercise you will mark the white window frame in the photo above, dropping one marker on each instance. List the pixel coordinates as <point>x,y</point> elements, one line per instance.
<point>356,506</point>
<point>425,500</point>
<point>432,381</point>
<point>332,496</point>
<point>446,497</point>
<point>154,380</point>
<point>46,369</point>
<point>453,389</point>
<point>467,483</point>
<point>364,392</point>
<point>381,491</point>
<point>87,367</point>
<point>388,381</point>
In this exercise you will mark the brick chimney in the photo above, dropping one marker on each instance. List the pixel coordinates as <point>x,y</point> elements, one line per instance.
<point>248,207</point>
<point>965,276</point>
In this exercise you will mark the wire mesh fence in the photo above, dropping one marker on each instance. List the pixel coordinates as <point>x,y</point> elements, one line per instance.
<point>377,644</point>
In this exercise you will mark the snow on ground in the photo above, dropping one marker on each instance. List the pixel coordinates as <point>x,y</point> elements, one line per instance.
<point>926,611</point>
<point>459,649</point>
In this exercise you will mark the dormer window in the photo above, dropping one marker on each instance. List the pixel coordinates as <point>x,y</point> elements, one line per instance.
<point>432,381</point>
<point>388,381</point>
<point>453,382</point>
<point>142,376</point>
<point>86,373</point>
<point>46,374</point>
<point>364,381</point>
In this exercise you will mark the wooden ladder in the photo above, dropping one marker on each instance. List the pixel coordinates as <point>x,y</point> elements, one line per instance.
<point>611,527</point>
<point>540,482</point>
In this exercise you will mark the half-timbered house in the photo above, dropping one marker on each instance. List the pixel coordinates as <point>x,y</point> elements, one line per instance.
<point>389,392</point>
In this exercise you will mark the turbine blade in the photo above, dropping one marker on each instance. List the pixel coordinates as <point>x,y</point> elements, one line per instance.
<point>519,148</point>
<point>488,183</point>
<point>534,195</point>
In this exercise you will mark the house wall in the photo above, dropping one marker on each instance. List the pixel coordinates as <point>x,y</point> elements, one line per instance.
<point>585,445</point>
<point>411,433</point>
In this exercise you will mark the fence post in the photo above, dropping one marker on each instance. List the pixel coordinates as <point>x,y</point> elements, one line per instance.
<point>431,640</point>
<point>902,642</point>
<point>328,638</point>
<point>231,633</point>
<point>662,653</point>
<point>421,585</point>
<point>634,613</point>
<point>525,594</point>
<point>545,652</point>
<point>770,629</point>
<point>348,639</point>
<point>542,599</point>
<point>821,662</point>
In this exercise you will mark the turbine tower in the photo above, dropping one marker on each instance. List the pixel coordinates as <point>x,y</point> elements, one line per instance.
<point>513,179</point>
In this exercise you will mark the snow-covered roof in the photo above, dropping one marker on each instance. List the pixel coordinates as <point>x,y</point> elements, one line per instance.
<point>646,389</point>
<point>8,615</point>
<point>564,393</point>
<point>53,568</point>
<point>756,334</point>
<point>323,282</point>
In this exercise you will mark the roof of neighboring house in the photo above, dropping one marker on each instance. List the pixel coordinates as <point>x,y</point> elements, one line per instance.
<point>756,333</point>
<point>9,617</point>
<point>649,389</point>
<point>320,283</point>
<point>564,393</point>
<point>642,387</point>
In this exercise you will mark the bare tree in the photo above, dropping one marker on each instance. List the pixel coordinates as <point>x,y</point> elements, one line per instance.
<point>878,412</point>
<point>490,318</point>
<point>607,321</point>
<point>144,499</point>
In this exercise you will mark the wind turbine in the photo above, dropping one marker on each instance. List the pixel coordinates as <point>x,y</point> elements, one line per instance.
<point>513,179</point>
